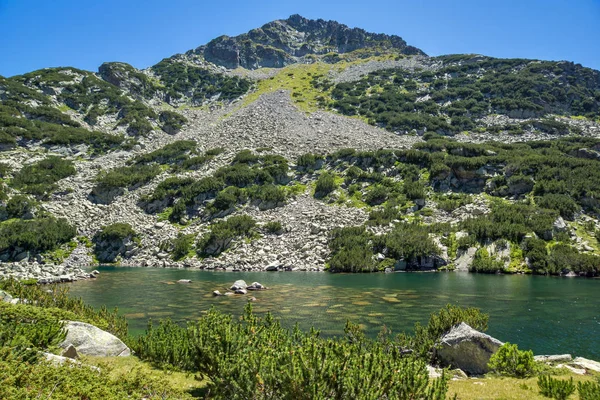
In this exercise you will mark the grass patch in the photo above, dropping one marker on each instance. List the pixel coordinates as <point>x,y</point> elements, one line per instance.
<point>503,388</point>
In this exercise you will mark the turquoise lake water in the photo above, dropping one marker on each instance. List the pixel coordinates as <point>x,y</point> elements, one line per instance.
<point>549,315</point>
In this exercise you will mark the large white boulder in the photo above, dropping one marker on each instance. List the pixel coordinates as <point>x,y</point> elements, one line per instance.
<point>468,349</point>
<point>89,340</point>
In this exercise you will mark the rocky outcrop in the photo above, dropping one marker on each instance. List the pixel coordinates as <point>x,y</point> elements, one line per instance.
<point>283,42</point>
<point>89,340</point>
<point>468,349</point>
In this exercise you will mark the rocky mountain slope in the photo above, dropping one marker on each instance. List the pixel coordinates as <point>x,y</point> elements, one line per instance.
<point>302,145</point>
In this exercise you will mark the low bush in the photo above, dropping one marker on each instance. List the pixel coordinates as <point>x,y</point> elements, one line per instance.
<point>127,177</point>
<point>484,263</point>
<point>279,363</point>
<point>556,389</point>
<point>588,390</point>
<point>33,236</point>
<point>39,178</point>
<point>223,233</point>
<point>115,232</point>
<point>325,184</point>
<point>510,361</point>
<point>273,227</point>
<point>182,246</point>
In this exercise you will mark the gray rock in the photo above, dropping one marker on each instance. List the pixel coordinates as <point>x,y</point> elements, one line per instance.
<point>92,341</point>
<point>217,293</point>
<point>61,360</point>
<point>70,352</point>
<point>239,284</point>
<point>468,349</point>
<point>256,286</point>
<point>5,296</point>
<point>241,291</point>
<point>554,358</point>
<point>588,365</point>
<point>184,281</point>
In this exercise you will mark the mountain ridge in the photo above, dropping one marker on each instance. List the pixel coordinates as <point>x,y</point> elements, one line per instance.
<point>161,159</point>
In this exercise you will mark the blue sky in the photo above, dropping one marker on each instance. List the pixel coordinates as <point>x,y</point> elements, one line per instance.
<point>83,33</point>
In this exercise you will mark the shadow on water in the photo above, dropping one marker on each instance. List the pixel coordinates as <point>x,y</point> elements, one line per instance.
<point>546,314</point>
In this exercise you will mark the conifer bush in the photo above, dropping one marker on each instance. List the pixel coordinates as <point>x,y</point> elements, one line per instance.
<point>510,361</point>
<point>557,389</point>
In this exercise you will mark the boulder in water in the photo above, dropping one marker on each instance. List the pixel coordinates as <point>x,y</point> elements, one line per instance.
<point>468,349</point>
<point>239,284</point>
<point>256,286</point>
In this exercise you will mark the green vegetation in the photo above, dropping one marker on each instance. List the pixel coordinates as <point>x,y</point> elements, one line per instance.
<point>26,329</point>
<point>279,363</point>
<point>325,184</point>
<point>24,238</point>
<point>223,233</point>
<point>273,227</point>
<point>473,88</point>
<point>20,120</point>
<point>115,232</point>
<point>40,178</point>
<point>557,389</point>
<point>180,79</point>
<point>174,153</point>
<point>182,246</point>
<point>510,361</point>
<point>551,180</point>
<point>129,177</point>
<point>261,179</point>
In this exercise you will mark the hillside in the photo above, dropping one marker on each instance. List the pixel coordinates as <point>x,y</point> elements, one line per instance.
<point>302,145</point>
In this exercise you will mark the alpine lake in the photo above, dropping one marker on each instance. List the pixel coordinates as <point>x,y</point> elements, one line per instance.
<point>549,315</point>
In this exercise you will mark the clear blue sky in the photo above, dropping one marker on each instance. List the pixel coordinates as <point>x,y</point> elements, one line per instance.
<point>83,33</point>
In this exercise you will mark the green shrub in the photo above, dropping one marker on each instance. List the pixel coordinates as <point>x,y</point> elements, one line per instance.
<point>309,161</point>
<point>286,364</point>
<point>115,232</point>
<point>273,227</point>
<point>377,195</point>
<point>510,361</point>
<point>222,234</point>
<point>246,157</point>
<point>215,151</point>
<point>440,323</point>
<point>19,206</point>
<point>34,236</point>
<point>127,177</point>
<point>351,250</point>
<point>564,204</point>
<point>172,154</point>
<point>410,242</point>
<point>172,121</point>
<point>483,262</point>
<point>182,245</point>
<point>588,390</point>
<point>40,177</point>
<point>555,388</point>
<point>325,184</point>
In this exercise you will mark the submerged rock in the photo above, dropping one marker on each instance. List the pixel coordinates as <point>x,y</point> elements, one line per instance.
<point>468,349</point>
<point>184,281</point>
<point>93,341</point>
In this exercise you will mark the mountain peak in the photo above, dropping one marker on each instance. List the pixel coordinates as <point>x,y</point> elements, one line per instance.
<point>296,39</point>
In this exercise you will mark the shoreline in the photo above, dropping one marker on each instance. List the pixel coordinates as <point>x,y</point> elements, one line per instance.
<point>65,273</point>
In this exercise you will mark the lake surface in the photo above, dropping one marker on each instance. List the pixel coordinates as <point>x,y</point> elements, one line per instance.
<point>549,315</point>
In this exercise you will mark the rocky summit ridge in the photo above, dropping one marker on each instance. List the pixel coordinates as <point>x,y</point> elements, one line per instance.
<point>296,39</point>
<point>302,145</point>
